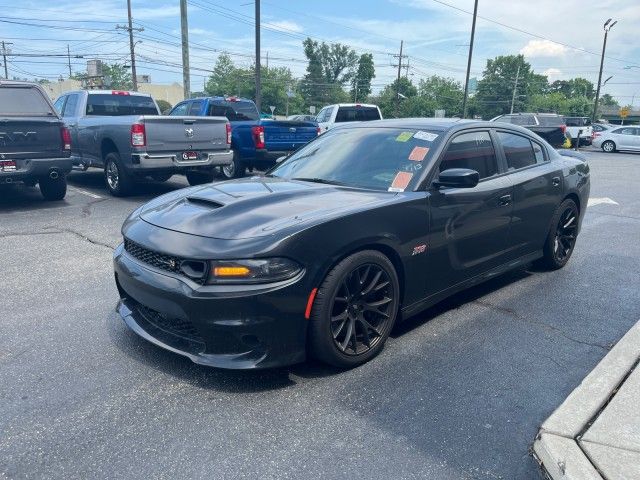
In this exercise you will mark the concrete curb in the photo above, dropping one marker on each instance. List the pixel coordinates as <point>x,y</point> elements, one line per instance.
<point>556,446</point>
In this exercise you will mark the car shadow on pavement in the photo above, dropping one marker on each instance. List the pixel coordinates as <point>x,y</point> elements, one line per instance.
<point>19,198</point>
<point>94,180</point>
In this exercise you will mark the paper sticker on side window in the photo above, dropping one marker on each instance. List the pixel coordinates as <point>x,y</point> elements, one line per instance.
<point>426,136</point>
<point>400,182</point>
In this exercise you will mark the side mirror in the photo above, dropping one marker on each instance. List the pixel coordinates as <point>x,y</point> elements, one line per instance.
<point>281,159</point>
<point>457,178</point>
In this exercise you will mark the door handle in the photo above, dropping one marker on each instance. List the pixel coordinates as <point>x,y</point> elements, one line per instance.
<point>555,181</point>
<point>505,200</point>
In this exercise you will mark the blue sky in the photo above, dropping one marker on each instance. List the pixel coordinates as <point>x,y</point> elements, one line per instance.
<point>436,36</point>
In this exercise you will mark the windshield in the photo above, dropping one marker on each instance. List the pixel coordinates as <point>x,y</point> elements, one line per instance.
<point>374,158</point>
<point>118,104</point>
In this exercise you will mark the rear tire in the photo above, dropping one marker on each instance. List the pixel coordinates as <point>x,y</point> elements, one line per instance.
<point>236,169</point>
<point>119,182</point>
<point>198,178</point>
<point>354,310</point>
<point>609,146</point>
<point>53,189</point>
<point>561,239</point>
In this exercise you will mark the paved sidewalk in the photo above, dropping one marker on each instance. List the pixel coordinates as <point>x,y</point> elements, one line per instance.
<point>595,433</point>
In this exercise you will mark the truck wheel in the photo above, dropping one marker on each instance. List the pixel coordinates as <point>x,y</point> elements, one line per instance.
<point>118,180</point>
<point>53,188</point>
<point>198,178</point>
<point>235,169</point>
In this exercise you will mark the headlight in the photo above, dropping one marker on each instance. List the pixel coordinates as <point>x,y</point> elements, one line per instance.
<point>252,271</point>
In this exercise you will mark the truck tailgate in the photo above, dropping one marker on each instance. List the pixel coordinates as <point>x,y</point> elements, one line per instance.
<point>177,134</point>
<point>282,135</point>
<point>31,138</point>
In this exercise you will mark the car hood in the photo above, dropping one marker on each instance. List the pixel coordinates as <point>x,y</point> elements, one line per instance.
<point>254,207</point>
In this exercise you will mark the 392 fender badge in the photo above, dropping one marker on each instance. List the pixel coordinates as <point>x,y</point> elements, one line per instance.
<point>418,249</point>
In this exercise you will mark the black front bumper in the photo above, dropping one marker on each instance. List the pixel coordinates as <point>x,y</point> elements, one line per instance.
<point>222,326</point>
<point>33,169</point>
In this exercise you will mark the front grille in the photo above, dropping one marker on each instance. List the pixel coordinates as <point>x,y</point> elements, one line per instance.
<point>159,260</point>
<point>175,326</point>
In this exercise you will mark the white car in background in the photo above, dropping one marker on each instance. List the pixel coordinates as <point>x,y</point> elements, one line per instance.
<point>621,138</point>
<point>331,115</point>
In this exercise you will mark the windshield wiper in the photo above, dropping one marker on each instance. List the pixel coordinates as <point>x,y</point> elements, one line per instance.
<point>318,180</point>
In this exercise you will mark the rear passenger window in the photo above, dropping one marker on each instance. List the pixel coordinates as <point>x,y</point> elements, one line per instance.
<point>70,106</point>
<point>471,150</point>
<point>518,150</point>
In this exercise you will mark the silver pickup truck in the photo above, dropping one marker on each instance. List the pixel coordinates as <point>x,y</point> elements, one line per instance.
<point>124,134</point>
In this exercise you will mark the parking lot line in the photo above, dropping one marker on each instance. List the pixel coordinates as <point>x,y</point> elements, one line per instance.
<point>84,192</point>
<point>597,201</point>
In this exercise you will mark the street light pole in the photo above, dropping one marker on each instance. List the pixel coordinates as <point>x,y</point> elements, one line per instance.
<point>466,81</point>
<point>607,26</point>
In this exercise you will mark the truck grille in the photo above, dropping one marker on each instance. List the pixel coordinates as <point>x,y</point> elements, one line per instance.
<point>159,260</point>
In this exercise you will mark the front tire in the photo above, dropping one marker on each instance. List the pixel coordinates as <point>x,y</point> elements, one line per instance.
<point>119,182</point>
<point>235,169</point>
<point>562,236</point>
<point>53,189</point>
<point>354,310</point>
<point>608,146</point>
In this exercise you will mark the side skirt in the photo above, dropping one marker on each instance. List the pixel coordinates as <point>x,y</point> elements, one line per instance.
<point>431,300</point>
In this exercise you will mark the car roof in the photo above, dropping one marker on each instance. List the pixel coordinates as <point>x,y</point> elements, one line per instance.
<point>352,105</point>
<point>19,83</point>
<point>107,92</point>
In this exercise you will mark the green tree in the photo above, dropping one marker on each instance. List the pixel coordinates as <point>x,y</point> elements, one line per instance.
<point>392,107</point>
<point>607,100</point>
<point>330,68</point>
<point>443,93</point>
<point>496,88</point>
<point>361,82</point>
<point>227,79</point>
<point>163,105</point>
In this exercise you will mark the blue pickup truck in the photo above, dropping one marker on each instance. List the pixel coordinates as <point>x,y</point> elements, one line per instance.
<point>256,143</point>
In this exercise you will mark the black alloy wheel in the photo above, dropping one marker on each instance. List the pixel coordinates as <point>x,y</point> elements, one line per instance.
<point>562,236</point>
<point>355,309</point>
<point>566,232</point>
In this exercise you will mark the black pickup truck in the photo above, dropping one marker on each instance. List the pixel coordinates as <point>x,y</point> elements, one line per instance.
<point>35,146</point>
<point>550,126</point>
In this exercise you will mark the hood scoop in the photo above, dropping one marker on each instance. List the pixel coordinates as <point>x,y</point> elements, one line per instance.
<point>204,201</point>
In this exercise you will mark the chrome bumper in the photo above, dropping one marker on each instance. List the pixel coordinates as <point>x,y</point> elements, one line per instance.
<point>143,161</point>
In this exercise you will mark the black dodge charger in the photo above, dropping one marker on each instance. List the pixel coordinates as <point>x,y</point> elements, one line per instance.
<point>365,225</point>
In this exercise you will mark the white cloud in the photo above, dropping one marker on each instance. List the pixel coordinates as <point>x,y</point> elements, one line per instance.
<point>543,48</point>
<point>552,73</point>
<point>286,25</point>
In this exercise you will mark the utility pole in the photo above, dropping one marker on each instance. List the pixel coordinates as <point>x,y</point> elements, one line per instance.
<point>466,81</point>
<point>186,74</point>
<point>130,29</point>
<point>4,58</point>
<point>607,26</point>
<point>515,88</point>
<point>258,59</point>
<point>69,60</point>
<point>398,80</point>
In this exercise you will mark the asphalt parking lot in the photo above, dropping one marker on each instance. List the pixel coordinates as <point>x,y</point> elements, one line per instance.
<point>459,392</point>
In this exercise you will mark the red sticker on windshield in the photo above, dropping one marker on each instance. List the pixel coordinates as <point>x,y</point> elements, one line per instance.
<point>418,154</point>
<point>400,182</point>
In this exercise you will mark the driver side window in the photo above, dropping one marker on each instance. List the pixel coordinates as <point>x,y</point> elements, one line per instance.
<point>472,150</point>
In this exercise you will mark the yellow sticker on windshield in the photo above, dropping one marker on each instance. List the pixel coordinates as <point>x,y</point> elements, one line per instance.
<point>404,136</point>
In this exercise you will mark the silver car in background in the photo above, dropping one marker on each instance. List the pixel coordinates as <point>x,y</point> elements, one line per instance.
<point>620,138</point>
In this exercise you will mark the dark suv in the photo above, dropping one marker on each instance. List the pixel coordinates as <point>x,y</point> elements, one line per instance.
<point>550,126</point>
<point>35,146</point>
